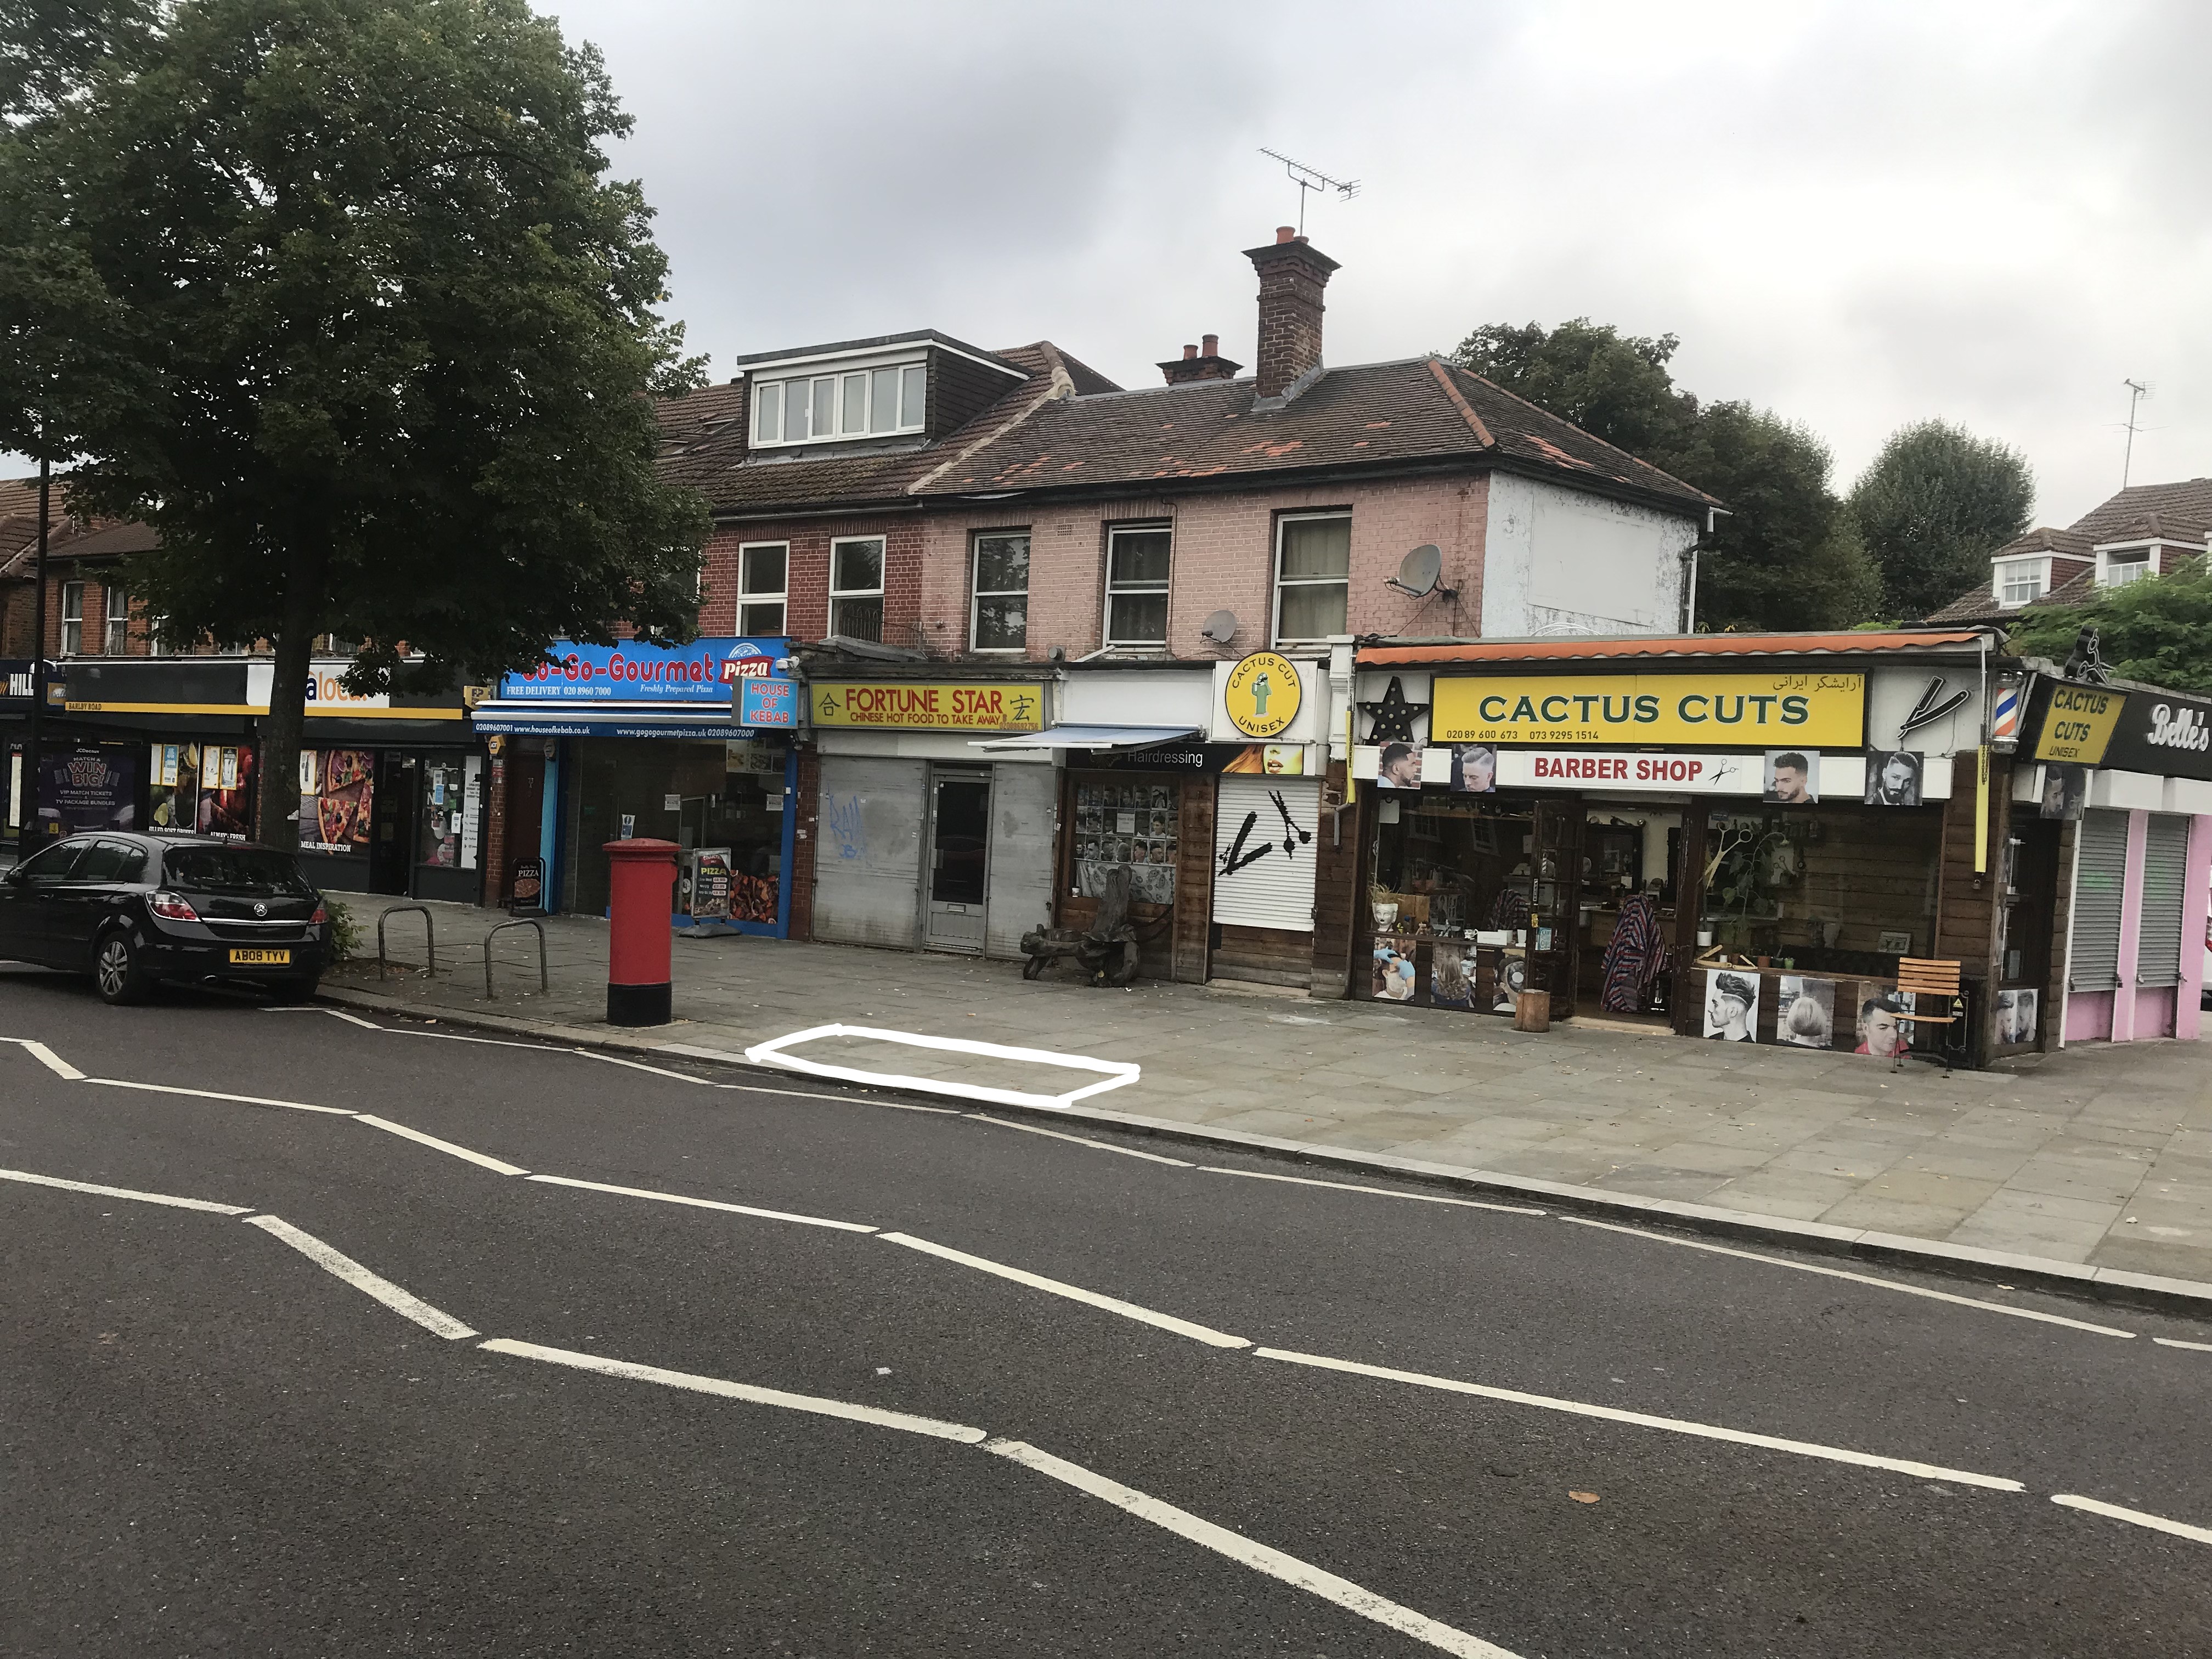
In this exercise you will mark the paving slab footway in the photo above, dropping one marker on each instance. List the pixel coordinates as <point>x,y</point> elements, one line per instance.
<point>2095,1162</point>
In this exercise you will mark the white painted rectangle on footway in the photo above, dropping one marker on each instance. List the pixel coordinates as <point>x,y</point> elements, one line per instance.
<point>1113,1074</point>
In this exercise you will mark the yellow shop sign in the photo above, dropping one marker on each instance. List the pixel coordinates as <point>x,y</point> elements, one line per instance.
<point>2079,724</point>
<point>956,706</point>
<point>1764,711</point>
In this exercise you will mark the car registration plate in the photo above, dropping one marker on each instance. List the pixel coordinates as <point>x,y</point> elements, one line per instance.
<point>260,958</point>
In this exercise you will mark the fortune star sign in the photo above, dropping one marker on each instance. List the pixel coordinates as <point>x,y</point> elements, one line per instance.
<point>1394,716</point>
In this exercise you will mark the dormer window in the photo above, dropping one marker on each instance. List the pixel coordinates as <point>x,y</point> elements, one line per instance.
<point>875,400</point>
<point>2118,565</point>
<point>2022,582</point>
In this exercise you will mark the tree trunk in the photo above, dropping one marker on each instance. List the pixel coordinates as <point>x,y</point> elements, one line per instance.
<point>277,810</point>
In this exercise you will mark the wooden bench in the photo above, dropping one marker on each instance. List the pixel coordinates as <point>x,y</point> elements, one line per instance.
<point>1926,977</point>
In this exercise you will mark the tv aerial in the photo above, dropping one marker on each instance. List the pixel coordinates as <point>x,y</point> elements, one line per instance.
<point>1220,626</point>
<point>1419,574</point>
<point>1312,179</point>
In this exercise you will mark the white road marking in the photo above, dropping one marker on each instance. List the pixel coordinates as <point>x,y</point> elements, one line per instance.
<point>1855,1279</point>
<point>1643,1419</point>
<point>705,1203</point>
<point>815,1403</point>
<point>47,1058</point>
<point>2176,1342</point>
<point>2156,1522</point>
<point>640,1066</point>
<point>849,1100</point>
<point>482,1159</point>
<point>211,1094</point>
<point>1299,1575</point>
<point>311,1008</point>
<point>1074,1293</point>
<point>1103,1146</point>
<point>1380,1192</point>
<point>1117,1073</point>
<point>173,1201</point>
<point>344,1267</point>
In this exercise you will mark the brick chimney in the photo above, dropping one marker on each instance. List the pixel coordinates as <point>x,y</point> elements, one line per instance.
<point>1197,364</point>
<point>1292,275</point>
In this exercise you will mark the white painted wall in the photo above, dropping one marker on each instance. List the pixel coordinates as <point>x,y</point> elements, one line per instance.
<point>1558,560</point>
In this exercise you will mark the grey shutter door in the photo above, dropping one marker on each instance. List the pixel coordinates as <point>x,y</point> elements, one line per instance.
<point>2100,870</point>
<point>867,851</point>
<point>1275,889</point>
<point>1024,834</point>
<point>2164,883</point>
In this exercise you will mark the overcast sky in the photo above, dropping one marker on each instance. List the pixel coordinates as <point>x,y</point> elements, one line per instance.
<point>1858,215</point>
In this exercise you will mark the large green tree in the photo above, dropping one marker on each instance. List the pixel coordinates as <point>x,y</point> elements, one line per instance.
<point>1786,556</point>
<point>337,295</point>
<point>2158,631</point>
<point>1933,506</point>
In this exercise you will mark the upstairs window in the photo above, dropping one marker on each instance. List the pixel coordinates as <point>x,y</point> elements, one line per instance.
<point>2021,582</point>
<point>118,623</point>
<point>763,586</point>
<point>2123,565</point>
<point>856,588</point>
<point>72,619</point>
<point>1313,577</point>
<point>863,403</point>
<point>1137,587</point>
<point>1001,617</point>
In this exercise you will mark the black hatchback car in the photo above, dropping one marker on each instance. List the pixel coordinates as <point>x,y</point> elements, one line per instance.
<point>132,910</point>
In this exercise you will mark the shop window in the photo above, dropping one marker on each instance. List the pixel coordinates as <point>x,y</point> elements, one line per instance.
<point>1137,562</point>
<point>118,623</point>
<point>72,618</point>
<point>763,586</point>
<point>1127,824</point>
<point>1312,574</point>
<point>856,588</point>
<point>999,619</point>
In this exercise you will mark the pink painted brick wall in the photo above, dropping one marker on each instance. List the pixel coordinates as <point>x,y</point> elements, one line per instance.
<point>1224,560</point>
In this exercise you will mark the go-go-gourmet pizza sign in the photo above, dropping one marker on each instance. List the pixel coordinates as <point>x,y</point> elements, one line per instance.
<point>939,706</point>
<point>1760,711</point>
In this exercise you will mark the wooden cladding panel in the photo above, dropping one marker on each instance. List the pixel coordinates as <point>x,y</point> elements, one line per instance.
<point>1194,916</point>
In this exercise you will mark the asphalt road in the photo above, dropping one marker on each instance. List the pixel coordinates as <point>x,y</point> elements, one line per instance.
<point>218,1437</point>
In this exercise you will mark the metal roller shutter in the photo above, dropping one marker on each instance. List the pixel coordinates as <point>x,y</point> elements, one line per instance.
<point>2100,870</point>
<point>868,853</point>
<point>1024,831</point>
<point>2164,883</point>
<point>1263,866</point>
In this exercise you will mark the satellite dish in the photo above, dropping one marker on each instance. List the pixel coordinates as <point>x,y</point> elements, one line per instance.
<point>1220,626</point>
<point>1420,572</point>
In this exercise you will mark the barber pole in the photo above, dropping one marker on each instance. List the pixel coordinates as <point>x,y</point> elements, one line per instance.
<point>2004,714</point>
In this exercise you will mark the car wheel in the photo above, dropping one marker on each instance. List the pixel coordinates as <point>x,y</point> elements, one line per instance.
<point>117,973</point>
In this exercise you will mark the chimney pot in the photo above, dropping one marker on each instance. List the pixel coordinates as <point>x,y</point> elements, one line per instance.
<point>1286,233</point>
<point>1189,352</point>
<point>1213,346</point>
<point>1292,275</point>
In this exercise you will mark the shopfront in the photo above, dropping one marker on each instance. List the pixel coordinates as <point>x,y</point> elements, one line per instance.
<point>923,839</point>
<point>1737,841</point>
<point>166,745</point>
<point>688,743</point>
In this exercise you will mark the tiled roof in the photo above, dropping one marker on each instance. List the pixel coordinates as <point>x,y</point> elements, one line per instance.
<point>1038,359</point>
<point>1977,606</point>
<point>2189,502</point>
<point>111,542</point>
<point>1375,414</point>
<point>1582,648</point>
<point>2045,540</point>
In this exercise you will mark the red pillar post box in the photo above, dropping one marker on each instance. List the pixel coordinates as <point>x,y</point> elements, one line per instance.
<point>640,911</point>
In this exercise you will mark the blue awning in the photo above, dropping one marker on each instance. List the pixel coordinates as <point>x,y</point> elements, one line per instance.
<point>1090,737</point>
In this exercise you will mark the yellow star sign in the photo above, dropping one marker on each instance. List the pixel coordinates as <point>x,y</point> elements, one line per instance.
<point>1262,694</point>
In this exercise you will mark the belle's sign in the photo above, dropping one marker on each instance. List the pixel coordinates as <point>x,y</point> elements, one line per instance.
<point>1756,711</point>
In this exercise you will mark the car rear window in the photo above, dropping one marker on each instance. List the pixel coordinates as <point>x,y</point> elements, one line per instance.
<point>233,870</point>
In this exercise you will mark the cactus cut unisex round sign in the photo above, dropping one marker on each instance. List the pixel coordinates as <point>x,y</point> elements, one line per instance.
<point>1262,694</point>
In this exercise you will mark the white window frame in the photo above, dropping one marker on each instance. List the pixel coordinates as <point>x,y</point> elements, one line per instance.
<point>781,598</point>
<point>2035,569</point>
<point>1166,587</point>
<point>882,572</point>
<point>2140,567</point>
<point>1275,620</point>
<point>110,644</point>
<point>976,594</point>
<point>72,600</point>
<point>834,380</point>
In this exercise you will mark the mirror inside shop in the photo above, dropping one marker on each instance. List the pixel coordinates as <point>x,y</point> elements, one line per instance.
<point>1474,901</point>
<point>698,794</point>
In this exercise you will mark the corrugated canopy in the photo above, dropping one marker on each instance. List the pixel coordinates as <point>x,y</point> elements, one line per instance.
<point>1090,737</point>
